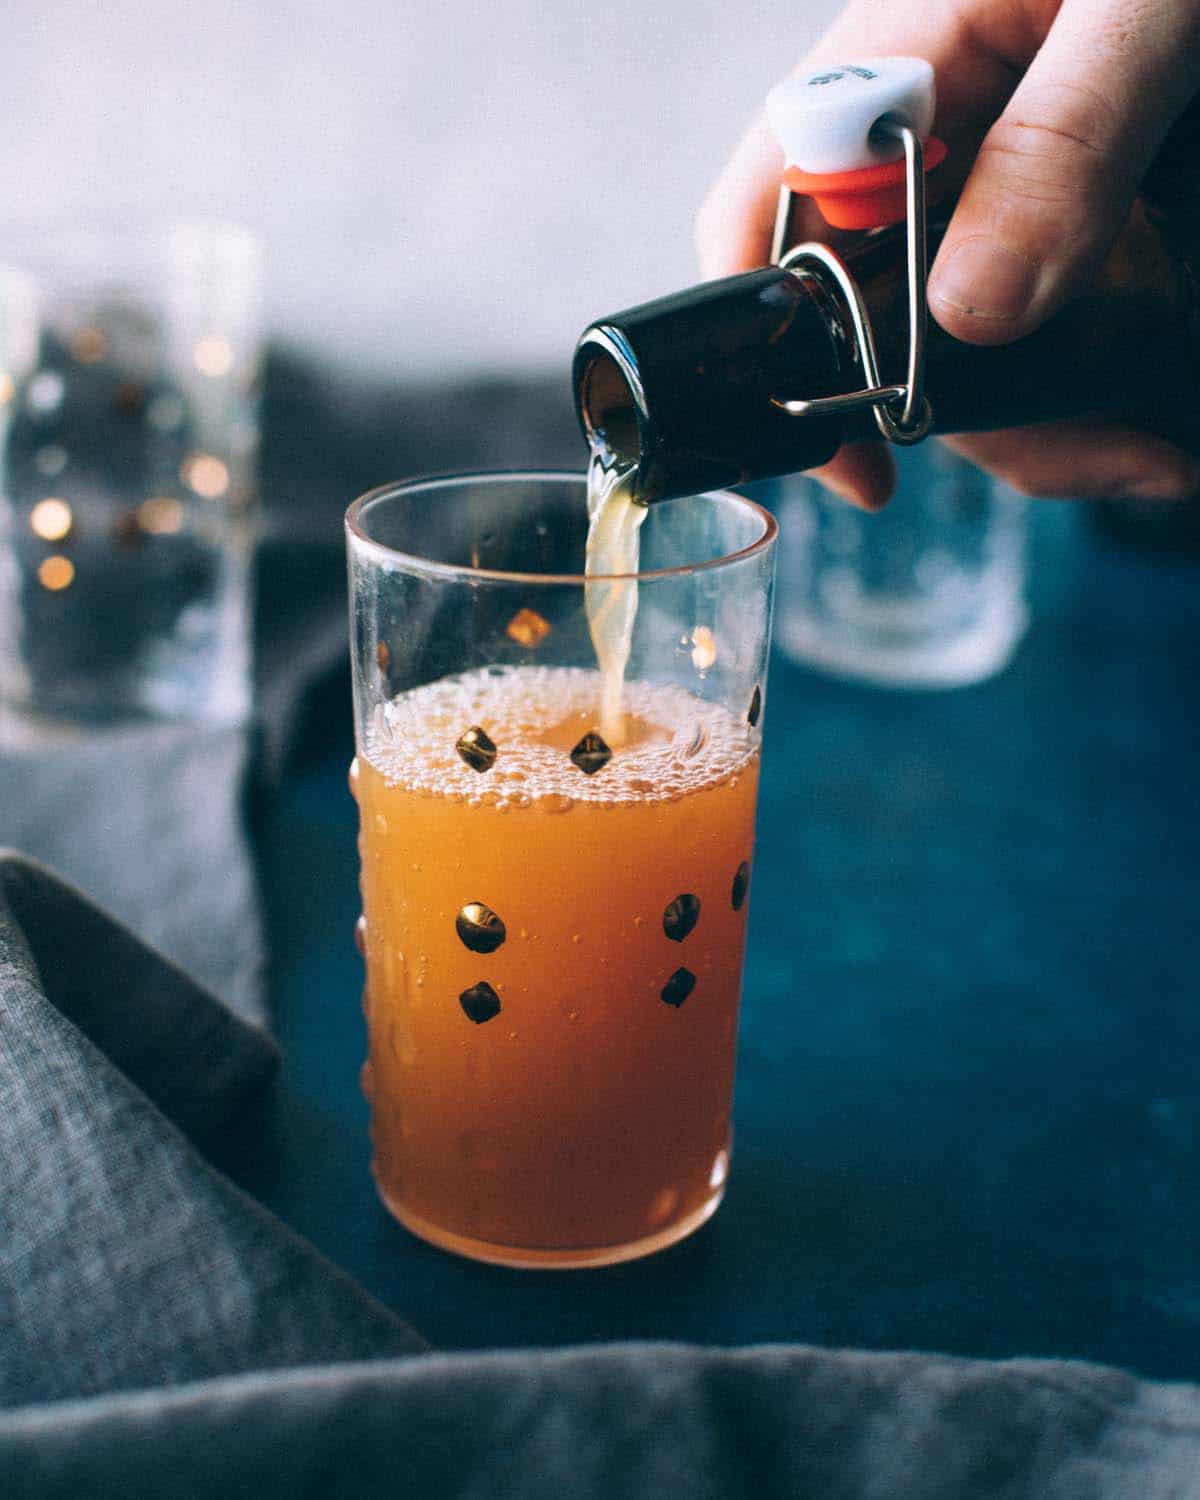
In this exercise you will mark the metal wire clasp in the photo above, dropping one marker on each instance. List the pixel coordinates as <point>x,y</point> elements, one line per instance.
<point>902,412</point>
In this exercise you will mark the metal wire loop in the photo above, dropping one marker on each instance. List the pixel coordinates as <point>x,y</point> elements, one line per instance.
<point>902,412</point>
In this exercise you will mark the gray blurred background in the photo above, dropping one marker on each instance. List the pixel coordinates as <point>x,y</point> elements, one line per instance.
<point>442,188</point>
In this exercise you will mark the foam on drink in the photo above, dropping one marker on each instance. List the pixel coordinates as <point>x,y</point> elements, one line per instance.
<point>675,743</point>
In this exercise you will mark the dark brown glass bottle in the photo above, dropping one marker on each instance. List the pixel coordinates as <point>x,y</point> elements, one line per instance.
<point>683,386</point>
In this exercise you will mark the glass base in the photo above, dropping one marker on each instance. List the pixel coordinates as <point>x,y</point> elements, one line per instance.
<point>522,1258</point>
<point>952,660</point>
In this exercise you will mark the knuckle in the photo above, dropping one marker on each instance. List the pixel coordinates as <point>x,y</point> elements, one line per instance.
<point>1054,135</point>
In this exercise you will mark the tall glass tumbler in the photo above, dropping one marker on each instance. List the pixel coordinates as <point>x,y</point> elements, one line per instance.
<point>553,925</point>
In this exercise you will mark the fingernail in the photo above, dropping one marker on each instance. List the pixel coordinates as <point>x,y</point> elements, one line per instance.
<point>984,280</point>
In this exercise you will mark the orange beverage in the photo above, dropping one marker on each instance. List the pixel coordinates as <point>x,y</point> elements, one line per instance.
<point>554,959</point>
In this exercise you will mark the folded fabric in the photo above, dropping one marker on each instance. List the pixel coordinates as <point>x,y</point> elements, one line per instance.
<point>635,1422</point>
<point>148,820</point>
<point>126,1259</point>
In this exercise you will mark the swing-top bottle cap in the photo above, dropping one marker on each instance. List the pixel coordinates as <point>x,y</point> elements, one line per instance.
<point>825,121</point>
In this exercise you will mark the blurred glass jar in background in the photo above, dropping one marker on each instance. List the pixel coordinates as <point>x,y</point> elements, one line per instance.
<point>929,592</point>
<point>129,373</point>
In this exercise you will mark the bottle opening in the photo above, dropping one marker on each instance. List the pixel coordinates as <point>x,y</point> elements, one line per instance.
<point>607,393</point>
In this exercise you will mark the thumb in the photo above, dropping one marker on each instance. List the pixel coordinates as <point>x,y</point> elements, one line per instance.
<point>1057,173</point>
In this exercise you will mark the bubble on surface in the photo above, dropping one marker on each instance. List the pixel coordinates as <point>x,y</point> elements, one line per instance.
<point>536,713</point>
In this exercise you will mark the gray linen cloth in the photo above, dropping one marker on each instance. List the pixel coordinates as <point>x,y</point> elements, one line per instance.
<point>161,1334</point>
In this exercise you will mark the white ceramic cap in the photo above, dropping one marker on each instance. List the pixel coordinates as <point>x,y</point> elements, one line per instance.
<point>823,119</point>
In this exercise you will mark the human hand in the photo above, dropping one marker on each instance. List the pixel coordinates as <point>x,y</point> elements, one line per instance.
<point>1053,111</point>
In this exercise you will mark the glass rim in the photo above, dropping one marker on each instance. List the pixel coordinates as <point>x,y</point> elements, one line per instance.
<point>414,562</point>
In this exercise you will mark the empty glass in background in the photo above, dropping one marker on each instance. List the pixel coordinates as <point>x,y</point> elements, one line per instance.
<point>929,592</point>
<point>129,372</point>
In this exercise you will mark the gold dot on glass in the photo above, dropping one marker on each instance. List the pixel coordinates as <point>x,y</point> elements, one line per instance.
<point>678,987</point>
<point>527,628</point>
<point>755,710</point>
<point>591,754</point>
<point>213,355</point>
<point>383,656</point>
<point>480,1002</point>
<point>7,387</point>
<point>360,936</point>
<point>56,573</point>
<point>131,397</point>
<point>208,476</point>
<point>161,515</point>
<point>681,916</point>
<point>704,648</point>
<point>479,928</point>
<point>51,519</point>
<point>89,345</point>
<point>475,746</point>
<point>741,884</point>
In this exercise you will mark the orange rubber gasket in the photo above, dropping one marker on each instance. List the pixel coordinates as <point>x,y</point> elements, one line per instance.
<point>865,199</point>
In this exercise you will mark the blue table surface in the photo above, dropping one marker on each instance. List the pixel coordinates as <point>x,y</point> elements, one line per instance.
<point>967,1099</point>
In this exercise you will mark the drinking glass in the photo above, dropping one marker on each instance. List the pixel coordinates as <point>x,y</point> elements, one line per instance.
<point>929,592</point>
<point>129,370</point>
<point>553,926</point>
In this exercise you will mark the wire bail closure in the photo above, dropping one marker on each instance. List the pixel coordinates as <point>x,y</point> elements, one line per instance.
<point>902,412</point>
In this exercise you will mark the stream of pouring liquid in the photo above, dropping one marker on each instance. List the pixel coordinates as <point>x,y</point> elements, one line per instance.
<point>613,546</point>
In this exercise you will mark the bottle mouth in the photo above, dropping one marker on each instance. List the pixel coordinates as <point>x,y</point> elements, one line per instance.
<point>609,398</point>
